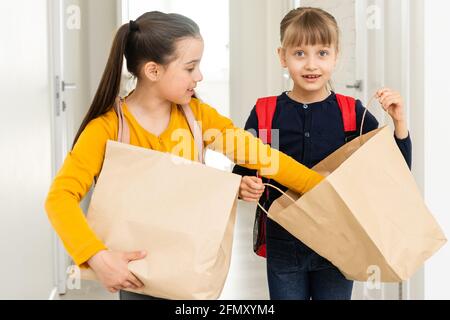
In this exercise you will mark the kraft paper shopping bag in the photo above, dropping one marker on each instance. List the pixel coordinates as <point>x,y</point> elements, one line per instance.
<point>367,217</point>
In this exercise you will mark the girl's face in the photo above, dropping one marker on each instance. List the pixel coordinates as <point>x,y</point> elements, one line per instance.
<point>310,67</point>
<point>176,81</point>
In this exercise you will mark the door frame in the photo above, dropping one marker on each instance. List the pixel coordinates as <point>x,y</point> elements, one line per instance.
<point>60,143</point>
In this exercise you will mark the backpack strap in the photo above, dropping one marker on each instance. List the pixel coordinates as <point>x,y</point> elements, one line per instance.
<point>124,130</point>
<point>348,110</point>
<point>123,135</point>
<point>195,130</point>
<point>265,109</point>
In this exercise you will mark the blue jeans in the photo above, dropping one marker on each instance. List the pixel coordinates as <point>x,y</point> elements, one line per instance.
<point>296,272</point>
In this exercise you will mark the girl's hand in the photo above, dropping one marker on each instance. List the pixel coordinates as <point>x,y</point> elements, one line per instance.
<point>111,268</point>
<point>251,188</point>
<point>392,102</point>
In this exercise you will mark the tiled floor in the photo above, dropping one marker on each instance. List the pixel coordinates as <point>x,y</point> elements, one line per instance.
<point>246,279</point>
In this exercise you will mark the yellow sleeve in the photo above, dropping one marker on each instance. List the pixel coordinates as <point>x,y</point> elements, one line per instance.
<point>244,149</point>
<point>71,184</point>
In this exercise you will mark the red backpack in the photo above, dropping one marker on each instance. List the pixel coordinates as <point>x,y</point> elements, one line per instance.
<point>265,109</point>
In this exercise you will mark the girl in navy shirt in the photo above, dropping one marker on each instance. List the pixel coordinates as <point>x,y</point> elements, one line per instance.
<point>310,127</point>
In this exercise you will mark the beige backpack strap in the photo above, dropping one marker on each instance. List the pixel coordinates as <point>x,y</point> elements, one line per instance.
<point>196,131</point>
<point>124,130</point>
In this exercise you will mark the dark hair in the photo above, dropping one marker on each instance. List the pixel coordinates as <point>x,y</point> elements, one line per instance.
<point>152,37</point>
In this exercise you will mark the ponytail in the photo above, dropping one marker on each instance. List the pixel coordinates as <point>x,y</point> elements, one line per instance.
<point>109,86</point>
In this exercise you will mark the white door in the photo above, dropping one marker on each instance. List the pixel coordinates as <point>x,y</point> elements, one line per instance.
<point>25,143</point>
<point>82,32</point>
<point>66,18</point>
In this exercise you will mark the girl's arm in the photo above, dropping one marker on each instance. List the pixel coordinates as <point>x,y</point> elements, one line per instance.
<point>392,103</point>
<point>69,187</point>
<point>71,184</point>
<point>251,187</point>
<point>251,124</point>
<point>401,134</point>
<point>250,152</point>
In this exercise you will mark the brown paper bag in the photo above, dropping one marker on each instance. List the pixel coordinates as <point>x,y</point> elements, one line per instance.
<point>367,217</point>
<point>181,212</point>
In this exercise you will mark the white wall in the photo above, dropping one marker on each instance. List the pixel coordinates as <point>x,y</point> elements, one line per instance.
<point>255,70</point>
<point>415,288</point>
<point>25,140</point>
<point>437,139</point>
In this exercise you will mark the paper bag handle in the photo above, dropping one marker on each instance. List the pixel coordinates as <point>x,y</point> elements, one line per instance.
<point>365,113</point>
<point>279,190</point>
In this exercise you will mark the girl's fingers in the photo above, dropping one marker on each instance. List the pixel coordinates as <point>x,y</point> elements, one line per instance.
<point>251,200</point>
<point>382,91</point>
<point>390,102</point>
<point>383,104</point>
<point>254,182</point>
<point>129,285</point>
<point>382,98</point>
<point>385,96</point>
<point>255,179</point>
<point>252,187</point>
<point>248,195</point>
<point>256,186</point>
<point>136,255</point>
<point>113,289</point>
<point>253,191</point>
<point>389,95</point>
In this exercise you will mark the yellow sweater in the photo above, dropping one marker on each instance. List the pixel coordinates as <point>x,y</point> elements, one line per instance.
<point>84,163</point>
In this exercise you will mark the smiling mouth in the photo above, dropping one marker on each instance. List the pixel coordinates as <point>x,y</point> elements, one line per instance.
<point>311,76</point>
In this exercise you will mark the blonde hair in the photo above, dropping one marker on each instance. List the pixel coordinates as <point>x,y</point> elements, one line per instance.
<point>309,26</point>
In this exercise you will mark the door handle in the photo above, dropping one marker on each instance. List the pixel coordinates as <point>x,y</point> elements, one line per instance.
<point>68,86</point>
<point>357,85</point>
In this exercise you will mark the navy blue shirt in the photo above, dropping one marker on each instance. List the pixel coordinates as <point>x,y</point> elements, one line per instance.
<point>311,132</point>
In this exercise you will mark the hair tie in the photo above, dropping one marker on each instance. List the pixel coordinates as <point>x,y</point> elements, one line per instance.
<point>133,26</point>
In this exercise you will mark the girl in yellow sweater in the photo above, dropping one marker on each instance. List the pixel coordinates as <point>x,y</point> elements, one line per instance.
<point>163,51</point>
